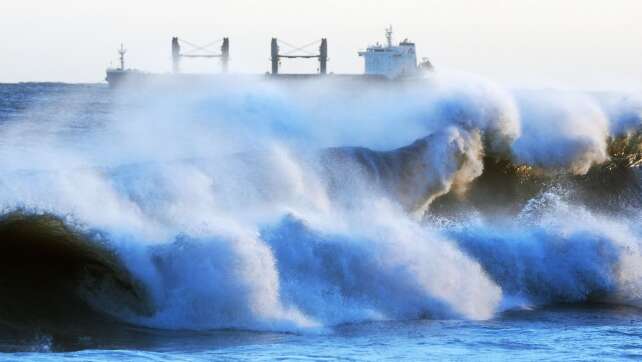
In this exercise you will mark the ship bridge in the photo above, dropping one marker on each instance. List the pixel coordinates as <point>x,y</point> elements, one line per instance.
<point>391,61</point>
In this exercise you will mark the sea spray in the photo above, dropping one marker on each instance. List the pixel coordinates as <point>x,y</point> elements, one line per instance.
<point>567,132</point>
<point>275,208</point>
<point>557,253</point>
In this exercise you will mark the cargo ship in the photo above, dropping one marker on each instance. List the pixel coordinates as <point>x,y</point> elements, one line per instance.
<point>382,62</point>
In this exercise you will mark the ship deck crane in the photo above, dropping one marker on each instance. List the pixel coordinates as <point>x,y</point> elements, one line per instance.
<point>200,51</point>
<point>276,55</point>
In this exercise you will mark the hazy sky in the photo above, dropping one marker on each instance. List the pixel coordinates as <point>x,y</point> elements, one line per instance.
<point>578,44</point>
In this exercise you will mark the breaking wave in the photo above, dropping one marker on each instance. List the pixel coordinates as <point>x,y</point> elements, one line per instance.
<point>308,206</point>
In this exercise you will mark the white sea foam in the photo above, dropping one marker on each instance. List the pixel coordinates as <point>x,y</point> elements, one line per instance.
<point>220,203</point>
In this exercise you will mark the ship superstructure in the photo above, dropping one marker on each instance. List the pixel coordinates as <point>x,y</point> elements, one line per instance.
<point>116,76</point>
<point>391,61</point>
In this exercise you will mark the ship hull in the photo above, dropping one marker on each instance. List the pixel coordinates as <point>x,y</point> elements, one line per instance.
<point>118,78</point>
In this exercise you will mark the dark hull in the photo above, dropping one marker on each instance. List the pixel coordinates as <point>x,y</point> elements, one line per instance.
<point>118,79</point>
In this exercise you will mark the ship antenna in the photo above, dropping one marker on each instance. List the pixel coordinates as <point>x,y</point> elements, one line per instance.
<point>389,36</point>
<point>122,52</point>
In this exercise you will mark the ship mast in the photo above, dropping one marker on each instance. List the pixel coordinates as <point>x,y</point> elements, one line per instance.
<point>389,36</point>
<point>122,52</point>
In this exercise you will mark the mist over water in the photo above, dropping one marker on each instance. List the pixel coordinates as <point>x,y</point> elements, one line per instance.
<point>301,207</point>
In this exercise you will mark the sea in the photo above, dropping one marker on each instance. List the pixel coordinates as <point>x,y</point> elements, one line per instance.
<point>249,219</point>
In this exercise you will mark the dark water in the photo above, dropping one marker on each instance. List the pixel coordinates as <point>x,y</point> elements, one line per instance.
<point>260,223</point>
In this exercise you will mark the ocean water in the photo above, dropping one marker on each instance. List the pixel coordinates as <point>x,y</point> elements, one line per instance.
<point>449,219</point>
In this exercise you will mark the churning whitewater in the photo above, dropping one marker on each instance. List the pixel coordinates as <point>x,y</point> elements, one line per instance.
<point>304,207</point>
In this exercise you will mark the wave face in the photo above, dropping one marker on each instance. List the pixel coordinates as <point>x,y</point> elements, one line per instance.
<point>54,279</point>
<point>306,206</point>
